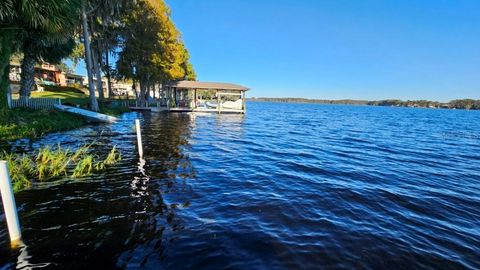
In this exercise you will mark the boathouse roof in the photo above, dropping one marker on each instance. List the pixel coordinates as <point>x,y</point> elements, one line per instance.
<point>207,85</point>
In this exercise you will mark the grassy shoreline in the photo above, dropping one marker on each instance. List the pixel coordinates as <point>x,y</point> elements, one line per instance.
<point>72,96</point>
<point>26,123</point>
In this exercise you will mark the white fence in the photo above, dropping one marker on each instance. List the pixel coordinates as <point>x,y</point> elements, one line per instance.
<point>35,103</point>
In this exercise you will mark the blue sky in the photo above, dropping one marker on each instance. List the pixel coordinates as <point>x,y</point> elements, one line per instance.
<point>335,49</point>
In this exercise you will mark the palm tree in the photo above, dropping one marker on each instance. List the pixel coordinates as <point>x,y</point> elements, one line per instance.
<point>19,18</point>
<point>42,47</point>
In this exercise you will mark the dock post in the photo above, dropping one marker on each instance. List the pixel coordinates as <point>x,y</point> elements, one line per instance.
<point>244,102</point>
<point>219,104</point>
<point>139,138</point>
<point>9,205</point>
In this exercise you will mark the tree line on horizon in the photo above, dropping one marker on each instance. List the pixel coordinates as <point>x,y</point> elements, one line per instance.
<point>467,104</point>
<point>139,34</point>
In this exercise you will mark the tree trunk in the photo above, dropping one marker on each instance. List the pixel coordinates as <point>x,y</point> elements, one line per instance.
<point>134,87</point>
<point>98,73</point>
<point>6,48</point>
<point>147,92</point>
<point>141,96</point>
<point>27,77</point>
<point>109,82</point>
<point>4,83</point>
<point>96,57</point>
<point>88,57</point>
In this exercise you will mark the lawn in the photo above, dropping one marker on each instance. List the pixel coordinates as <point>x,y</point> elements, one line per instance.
<point>26,123</point>
<point>68,95</point>
<point>72,96</point>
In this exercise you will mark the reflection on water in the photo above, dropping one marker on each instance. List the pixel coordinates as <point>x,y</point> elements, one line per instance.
<point>286,186</point>
<point>120,217</point>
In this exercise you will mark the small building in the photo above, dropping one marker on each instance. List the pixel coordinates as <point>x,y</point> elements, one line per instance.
<point>73,79</point>
<point>46,73</point>
<point>15,72</point>
<point>15,76</point>
<point>120,88</point>
<point>203,97</point>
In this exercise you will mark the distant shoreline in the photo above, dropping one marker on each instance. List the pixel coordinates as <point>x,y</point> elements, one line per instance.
<point>463,104</point>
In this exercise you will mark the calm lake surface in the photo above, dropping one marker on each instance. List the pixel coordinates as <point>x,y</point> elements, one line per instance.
<point>286,186</point>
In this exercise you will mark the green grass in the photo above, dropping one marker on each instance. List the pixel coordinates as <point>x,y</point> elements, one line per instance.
<point>52,163</point>
<point>26,123</point>
<point>69,95</point>
<point>72,96</point>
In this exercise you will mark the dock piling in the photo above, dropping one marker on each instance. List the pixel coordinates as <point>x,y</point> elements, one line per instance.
<point>139,138</point>
<point>9,205</point>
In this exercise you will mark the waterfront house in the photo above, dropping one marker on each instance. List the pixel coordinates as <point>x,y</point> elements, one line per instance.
<point>45,73</point>
<point>73,79</point>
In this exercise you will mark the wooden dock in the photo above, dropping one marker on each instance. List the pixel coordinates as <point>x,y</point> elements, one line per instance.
<point>186,109</point>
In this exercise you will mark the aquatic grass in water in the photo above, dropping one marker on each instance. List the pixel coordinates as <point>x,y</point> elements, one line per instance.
<point>113,157</point>
<point>84,166</point>
<point>52,163</point>
<point>20,167</point>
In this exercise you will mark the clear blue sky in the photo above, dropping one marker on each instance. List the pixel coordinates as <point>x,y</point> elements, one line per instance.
<point>335,49</point>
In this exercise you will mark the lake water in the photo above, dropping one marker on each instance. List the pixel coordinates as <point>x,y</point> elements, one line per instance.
<point>286,186</point>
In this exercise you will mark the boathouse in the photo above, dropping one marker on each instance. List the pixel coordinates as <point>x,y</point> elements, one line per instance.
<point>204,97</point>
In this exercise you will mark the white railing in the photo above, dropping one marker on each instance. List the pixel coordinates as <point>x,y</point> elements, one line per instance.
<point>35,103</point>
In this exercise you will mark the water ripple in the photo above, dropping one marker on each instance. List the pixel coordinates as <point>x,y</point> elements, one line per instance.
<point>287,186</point>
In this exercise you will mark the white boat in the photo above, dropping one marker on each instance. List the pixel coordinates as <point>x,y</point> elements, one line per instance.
<point>210,104</point>
<point>236,105</point>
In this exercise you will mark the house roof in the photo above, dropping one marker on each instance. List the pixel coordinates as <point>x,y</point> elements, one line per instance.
<point>207,85</point>
<point>74,75</point>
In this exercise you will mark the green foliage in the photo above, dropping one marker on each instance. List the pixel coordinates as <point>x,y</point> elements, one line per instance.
<point>52,163</point>
<point>69,95</point>
<point>73,96</point>
<point>84,167</point>
<point>467,104</point>
<point>113,157</point>
<point>161,59</point>
<point>45,15</point>
<point>80,153</point>
<point>25,123</point>
<point>40,28</point>
<point>65,68</point>
<point>6,49</point>
<point>20,166</point>
<point>172,103</point>
<point>47,30</point>
<point>77,54</point>
<point>190,74</point>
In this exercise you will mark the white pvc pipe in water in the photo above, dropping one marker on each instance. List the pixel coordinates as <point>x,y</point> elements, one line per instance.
<point>9,204</point>
<point>139,138</point>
